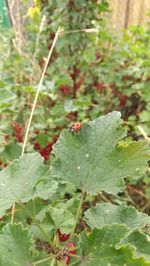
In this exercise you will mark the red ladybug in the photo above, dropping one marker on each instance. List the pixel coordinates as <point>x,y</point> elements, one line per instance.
<point>76,127</point>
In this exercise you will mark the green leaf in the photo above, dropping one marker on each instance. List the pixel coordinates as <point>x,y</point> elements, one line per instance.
<point>18,181</point>
<point>28,212</point>
<point>99,248</point>
<point>91,159</point>
<point>15,243</point>
<point>12,151</point>
<point>107,213</point>
<point>46,189</point>
<point>42,139</point>
<point>6,95</point>
<point>141,242</point>
<point>71,205</point>
<point>58,218</point>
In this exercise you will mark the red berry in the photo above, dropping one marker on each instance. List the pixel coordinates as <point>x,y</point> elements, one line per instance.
<point>65,89</point>
<point>45,152</point>
<point>49,46</point>
<point>79,83</point>
<point>17,131</point>
<point>70,4</point>
<point>42,63</point>
<point>63,237</point>
<point>123,100</point>
<point>67,260</point>
<point>52,35</point>
<point>36,132</point>
<point>100,86</point>
<point>71,246</point>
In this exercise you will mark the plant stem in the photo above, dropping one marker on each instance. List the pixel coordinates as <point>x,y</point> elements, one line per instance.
<point>53,262</point>
<point>143,133</point>
<point>13,212</point>
<point>74,82</point>
<point>41,261</point>
<point>78,211</point>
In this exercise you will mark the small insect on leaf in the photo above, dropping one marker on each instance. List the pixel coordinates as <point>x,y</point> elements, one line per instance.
<point>76,127</point>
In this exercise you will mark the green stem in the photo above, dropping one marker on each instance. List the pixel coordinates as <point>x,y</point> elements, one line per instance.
<point>41,261</point>
<point>78,211</point>
<point>53,262</point>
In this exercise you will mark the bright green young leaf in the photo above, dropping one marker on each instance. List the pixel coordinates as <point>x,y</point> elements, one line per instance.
<point>92,160</point>
<point>98,248</point>
<point>141,242</point>
<point>18,181</point>
<point>58,218</point>
<point>15,243</point>
<point>107,213</point>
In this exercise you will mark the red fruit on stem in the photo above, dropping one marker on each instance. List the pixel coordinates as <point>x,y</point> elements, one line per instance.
<point>42,63</point>
<point>123,100</point>
<point>17,131</point>
<point>70,4</point>
<point>65,89</point>
<point>36,132</point>
<point>52,35</point>
<point>49,46</point>
<point>36,146</point>
<point>100,86</point>
<point>71,246</point>
<point>45,152</point>
<point>63,237</point>
<point>79,83</point>
<point>67,260</point>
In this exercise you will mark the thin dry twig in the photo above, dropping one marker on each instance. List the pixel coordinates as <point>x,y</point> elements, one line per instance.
<point>36,46</point>
<point>143,133</point>
<point>35,102</point>
<point>92,30</point>
<point>38,90</point>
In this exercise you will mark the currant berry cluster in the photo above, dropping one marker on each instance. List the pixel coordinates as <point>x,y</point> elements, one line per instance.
<point>100,86</point>
<point>45,152</point>
<point>69,248</point>
<point>17,131</point>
